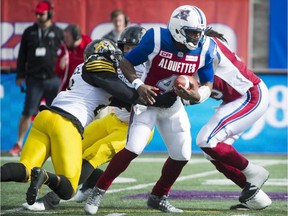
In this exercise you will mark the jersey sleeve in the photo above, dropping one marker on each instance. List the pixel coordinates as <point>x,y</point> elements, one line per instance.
<point>206,73</point>
<point>140,53</point>
<point>102,74</point>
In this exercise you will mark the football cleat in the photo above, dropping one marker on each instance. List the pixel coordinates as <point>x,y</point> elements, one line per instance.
<point>162,204</point>
<point>254,184</point>
<point>259,202</point>
<point>82,194</point>
<point>37,206</point>
<point>94,200</point>
<point>38,177</point>
<point>48,202</point>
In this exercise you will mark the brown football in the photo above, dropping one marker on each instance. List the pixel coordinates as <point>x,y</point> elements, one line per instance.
<point>184,81</point>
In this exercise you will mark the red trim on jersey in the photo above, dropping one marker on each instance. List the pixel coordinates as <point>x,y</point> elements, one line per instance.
<point>253,99</point>
<point>237,63</point>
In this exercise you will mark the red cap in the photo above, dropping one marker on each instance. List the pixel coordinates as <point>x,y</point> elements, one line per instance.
<point>42,7</point>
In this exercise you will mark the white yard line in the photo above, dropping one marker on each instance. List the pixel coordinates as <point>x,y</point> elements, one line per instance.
<point>182,178</point>
<point>265,162</point>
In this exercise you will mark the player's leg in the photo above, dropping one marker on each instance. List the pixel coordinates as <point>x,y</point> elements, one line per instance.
<point>174,128</point>
<point>259,202</point>
<point>100,152</point>
<point>139,132</point>
<point>66,155</point>
<point>94,154</point>
<point>35,153</point>
<point>229,120</point>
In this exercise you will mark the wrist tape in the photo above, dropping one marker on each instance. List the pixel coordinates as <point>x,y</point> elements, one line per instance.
<point>136,83</point>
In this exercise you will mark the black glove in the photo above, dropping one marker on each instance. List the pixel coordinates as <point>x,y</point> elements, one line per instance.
<point>166,100</point>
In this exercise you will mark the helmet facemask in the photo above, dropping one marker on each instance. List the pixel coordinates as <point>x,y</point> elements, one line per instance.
<point>192,36</point>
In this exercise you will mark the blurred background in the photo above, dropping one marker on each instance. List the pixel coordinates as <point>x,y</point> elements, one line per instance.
<point>255,29</point>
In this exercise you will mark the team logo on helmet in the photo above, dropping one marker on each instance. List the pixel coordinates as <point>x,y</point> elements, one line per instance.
<point>103,46</point>
<point>183,14</point>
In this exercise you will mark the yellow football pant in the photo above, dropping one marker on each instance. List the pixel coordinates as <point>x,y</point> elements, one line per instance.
<point>103,138</point>
<point>55,136</point>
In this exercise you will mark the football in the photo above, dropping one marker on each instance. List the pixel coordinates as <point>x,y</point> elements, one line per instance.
<point>185,81</point>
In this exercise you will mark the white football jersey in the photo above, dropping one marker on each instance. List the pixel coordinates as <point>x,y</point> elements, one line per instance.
<point>141,72</point>
<point>232,77</point>
<point>81,99</point>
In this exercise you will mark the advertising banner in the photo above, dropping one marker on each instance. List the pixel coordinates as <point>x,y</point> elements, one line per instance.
<point>268,135</point>
<point>278,43</point>
<point>93,16</point>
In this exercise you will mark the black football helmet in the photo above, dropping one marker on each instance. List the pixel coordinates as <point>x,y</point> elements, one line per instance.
<point>104,48</point>
<point>131,36</point>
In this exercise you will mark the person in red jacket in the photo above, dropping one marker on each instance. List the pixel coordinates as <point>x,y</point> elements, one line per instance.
<point>71,53</point>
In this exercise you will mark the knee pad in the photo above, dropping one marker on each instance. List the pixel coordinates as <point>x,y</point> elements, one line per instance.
<point>14,172</point>
<point>65,190</point>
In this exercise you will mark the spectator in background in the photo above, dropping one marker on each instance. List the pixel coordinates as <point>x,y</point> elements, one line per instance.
<point>71,53</point>
<point>36,66</point>
<point>120,22</point>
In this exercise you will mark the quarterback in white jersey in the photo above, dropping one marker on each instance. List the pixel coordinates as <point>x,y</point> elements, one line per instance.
<point>245,100</point>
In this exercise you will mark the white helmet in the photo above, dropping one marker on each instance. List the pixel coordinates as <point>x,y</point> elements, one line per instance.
<point>184,18</point>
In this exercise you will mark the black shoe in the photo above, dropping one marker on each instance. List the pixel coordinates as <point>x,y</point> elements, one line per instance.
<point>241,207</point>
<point>248,192</point>
<point>162,204</point>
<point>38,177</point>
<point>51,200</point>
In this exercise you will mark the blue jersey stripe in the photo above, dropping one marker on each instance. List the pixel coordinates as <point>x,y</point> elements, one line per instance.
<point>199,14</point>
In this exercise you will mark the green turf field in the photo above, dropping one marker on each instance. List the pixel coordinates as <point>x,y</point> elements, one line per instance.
<point>200,190</point>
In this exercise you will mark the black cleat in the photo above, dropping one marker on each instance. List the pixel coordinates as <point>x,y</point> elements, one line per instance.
<point>248,192</point>
<point>38,177</point>
<point>241,207</point>
<point>162,204</point>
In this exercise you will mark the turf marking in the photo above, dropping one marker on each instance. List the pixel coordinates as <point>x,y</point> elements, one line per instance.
<point>270,182</point>
<point>265,162</point>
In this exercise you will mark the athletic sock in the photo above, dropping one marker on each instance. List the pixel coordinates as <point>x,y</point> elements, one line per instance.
<point>231,173</point>
<point>14,172</point>
<point>86,171</point>
<point>116,166</point>
<point>170,172</point>
<point>92,180</point>
<point>227,154</point>
<point>52,181</point>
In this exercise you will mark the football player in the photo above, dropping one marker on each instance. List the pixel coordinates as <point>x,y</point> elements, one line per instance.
<point>180,49</point>
<point>58,129</point>
<point>245,100</point>
<point>100,147</point>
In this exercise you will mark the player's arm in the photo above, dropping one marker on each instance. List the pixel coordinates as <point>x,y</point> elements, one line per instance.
<point>101,73</point>
<point>137,56</point>
<point>206,77</point>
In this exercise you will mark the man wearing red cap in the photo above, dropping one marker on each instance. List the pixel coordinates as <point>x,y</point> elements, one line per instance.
<point>36,66</point>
